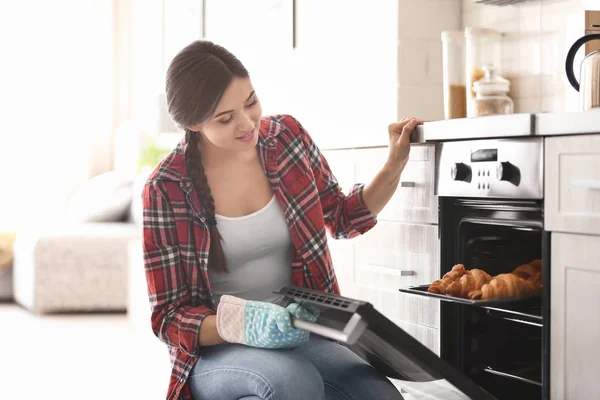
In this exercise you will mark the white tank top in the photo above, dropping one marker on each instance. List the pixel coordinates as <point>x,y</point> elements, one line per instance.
<point>258,250</point>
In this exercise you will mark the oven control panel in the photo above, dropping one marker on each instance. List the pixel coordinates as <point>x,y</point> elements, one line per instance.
<point>506,168</point>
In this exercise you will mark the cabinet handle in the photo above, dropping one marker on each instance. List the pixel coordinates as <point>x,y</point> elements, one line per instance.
<point>588,184</point>
<point>407,184</point>
<point>203,33</point>
<point>407,273</point>
<point>294,25</point>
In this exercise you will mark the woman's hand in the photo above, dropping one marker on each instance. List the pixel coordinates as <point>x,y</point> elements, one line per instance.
<point>379,192</point>
<point>399,133</point>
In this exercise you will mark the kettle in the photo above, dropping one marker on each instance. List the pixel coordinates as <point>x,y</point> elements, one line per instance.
<point>589,76</point>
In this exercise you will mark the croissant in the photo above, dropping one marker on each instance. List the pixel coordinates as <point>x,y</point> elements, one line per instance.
<point>537,282</point>
<point>470,281</point>
<point>529,270</point>
<point>505,285</point>
<point>439,286</point>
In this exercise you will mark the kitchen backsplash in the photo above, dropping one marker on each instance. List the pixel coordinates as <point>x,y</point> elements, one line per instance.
<point>420,24</point>
<point>537,37</point>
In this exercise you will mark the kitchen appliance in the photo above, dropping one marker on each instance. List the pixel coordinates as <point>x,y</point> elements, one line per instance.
<point>490,195</point>
<point>588,85</point>
<point>388,348</point>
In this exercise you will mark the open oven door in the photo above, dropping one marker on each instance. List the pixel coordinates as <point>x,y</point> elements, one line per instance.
<point>360,327</point>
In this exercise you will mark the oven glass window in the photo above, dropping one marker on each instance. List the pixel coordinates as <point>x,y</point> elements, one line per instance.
<point>497,248</point>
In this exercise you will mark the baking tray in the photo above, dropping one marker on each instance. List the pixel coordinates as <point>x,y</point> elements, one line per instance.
<point>421,290</point>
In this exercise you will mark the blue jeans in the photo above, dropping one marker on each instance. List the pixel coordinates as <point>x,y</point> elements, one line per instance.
<point>318,370</point>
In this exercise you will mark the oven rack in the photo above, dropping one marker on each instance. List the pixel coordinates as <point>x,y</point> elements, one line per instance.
<point>531,317</point>
<point>524,374</point>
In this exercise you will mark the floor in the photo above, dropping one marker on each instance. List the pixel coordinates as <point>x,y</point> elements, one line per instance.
<point>100,356</point>
<point>78,356</point>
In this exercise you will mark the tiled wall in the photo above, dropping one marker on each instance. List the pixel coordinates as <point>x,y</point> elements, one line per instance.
<point>537,37</point>
<point>420,24</point>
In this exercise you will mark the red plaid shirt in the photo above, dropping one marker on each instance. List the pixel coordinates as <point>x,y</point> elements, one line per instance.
<point>176,238</point>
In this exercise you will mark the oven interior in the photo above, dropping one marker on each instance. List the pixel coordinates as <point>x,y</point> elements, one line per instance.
<point>500,348</point>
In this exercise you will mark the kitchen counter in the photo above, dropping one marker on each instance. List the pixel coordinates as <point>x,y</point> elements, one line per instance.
<point>568,123</point>
<point>513,125</point>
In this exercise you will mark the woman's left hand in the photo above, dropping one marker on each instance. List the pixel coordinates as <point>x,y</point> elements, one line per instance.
<point>377,194</point>
<point>399,133</point>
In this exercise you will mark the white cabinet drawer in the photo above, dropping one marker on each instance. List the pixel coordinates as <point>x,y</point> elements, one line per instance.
<point>398,306</point>
<point>394,255</point>
<point>429,337</point>
<point>415,199</point>
<point>572,184</point>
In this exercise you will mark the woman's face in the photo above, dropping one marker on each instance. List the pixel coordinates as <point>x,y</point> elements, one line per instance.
<point>236,120</point>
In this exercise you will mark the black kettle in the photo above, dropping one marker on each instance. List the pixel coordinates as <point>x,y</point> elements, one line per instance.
<point>589,75</point>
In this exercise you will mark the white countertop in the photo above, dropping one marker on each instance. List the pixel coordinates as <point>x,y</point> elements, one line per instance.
<point>513,125</point>
<point>567,123</point>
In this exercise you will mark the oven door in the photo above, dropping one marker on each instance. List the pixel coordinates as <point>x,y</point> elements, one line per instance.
<point>386,346</point>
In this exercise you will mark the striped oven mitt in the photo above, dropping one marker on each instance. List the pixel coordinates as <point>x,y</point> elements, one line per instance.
<point>260,324</point>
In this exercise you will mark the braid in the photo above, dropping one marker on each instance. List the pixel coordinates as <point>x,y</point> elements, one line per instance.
<point>193,161</point>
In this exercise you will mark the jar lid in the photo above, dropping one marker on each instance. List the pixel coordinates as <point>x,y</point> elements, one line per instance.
<point>491,82</point>
<point>473,31</point>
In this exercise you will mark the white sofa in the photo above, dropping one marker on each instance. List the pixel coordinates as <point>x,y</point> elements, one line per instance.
<point>79,262</point>
<point>75,267</point>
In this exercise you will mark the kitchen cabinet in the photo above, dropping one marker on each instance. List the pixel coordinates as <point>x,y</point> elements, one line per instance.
<point>574,320</point>
<point>260,34</point>
<point>401,250</point>
<point>344,71</point>
<point>572,184</point>
<point>415,199</point>
<point>335,65</point>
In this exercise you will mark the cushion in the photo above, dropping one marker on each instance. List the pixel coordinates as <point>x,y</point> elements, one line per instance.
<point>104,198</point>
<point>7,240</point>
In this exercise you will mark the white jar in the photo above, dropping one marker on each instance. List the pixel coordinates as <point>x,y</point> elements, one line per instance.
<point>491,95</point>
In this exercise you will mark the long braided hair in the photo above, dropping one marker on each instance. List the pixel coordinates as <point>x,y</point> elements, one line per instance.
<point>196,80</point>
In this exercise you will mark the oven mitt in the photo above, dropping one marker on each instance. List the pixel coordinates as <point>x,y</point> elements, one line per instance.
<point>257,324</point>
<point>305,311</point>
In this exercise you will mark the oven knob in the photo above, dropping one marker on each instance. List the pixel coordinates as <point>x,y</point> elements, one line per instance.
<point>505,171</point>
<point>460,171</point>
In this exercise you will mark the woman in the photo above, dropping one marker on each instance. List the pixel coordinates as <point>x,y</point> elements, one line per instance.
<point>238,210</point>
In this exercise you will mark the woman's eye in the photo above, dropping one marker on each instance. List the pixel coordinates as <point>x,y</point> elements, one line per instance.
<point>253,102</point>
<point>228,120</point>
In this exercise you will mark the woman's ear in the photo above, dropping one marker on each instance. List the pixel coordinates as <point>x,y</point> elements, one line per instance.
<point>195,128</point>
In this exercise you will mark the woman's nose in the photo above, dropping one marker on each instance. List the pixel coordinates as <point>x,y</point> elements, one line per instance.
<point>246,123</point>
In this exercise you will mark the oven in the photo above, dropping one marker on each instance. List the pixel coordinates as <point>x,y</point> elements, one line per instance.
<point>491,218</point>
<point>490,195</point>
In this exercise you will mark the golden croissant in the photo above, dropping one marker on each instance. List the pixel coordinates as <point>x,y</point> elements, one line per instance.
<point>441,285</point>
<point>505,285</point>
<point>472,280</point>
<point>529,270</point>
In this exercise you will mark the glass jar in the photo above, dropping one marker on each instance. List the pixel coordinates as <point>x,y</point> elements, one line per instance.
<point>453,51</point>
<point>491,96</point>
<point>483,48</point>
